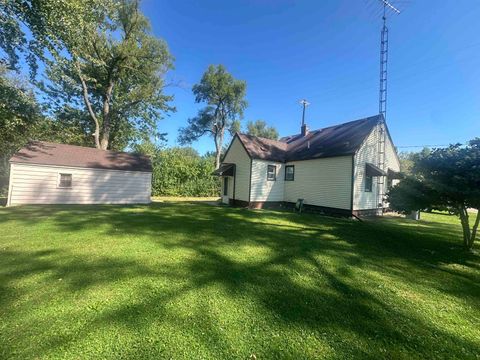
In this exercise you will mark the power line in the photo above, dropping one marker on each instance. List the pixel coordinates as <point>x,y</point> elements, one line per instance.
<point>427,146</point>
<point>421,146</point>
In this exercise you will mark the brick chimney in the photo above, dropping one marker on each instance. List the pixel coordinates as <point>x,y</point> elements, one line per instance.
<point>304,130</point>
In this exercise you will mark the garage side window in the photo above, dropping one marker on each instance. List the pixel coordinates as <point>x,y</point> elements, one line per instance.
<point>65,180</point>
<point>271,172</point>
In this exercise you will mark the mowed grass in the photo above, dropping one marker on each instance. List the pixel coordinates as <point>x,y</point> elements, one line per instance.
<point>195,281</point>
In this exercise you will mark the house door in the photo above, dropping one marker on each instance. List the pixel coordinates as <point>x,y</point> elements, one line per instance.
<point>225,198</point>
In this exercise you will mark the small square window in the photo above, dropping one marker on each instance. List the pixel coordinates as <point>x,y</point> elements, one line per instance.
<point>368,183</point>
<point>65,181</point>
<point>271,172</point>
<point>289,172</point>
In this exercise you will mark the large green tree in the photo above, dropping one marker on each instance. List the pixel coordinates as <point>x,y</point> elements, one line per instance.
<point>118,75</point>
<point>448,177</point>
<point>224,97</point>
<point>19,117</point>
<point>44,29</point>
<point>261,129</point>
<point>101,60</point>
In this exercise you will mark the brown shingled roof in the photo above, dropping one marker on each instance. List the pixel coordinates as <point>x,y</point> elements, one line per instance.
<point>45,153</point>
<point>265,149</point>
<point>338,140</point>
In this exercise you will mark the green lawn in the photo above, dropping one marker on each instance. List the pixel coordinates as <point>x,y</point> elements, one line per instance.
<point>190,281</point>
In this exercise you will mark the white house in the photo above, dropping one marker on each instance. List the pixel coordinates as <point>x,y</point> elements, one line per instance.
<point>48,173</point>
<point>343,169</point>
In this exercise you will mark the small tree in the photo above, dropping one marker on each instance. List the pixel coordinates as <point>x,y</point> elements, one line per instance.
<point>260,128</point>
<point>447,177</point>
<point>225,99</point>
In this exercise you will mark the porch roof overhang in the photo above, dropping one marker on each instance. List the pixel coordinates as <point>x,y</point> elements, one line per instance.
<point>373,170</point>
<point>392,174</point>
<point>225,170</point>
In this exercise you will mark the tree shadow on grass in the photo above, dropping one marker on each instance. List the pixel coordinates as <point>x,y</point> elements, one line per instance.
<point>307,282</point>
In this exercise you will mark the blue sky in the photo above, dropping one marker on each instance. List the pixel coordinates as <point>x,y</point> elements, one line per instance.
<point>328,53</point>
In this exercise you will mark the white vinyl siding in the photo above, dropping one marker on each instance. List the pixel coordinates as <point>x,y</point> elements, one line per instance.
<point>38,184</point>
<point>263,189</point>
<point>238,156</point>
<point>391,159</point>
<point>322,182</point>
<point>368,152</point>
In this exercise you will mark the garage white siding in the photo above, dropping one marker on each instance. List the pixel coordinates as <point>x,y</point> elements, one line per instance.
<point>322,182</point>
<point>368,152</point>
<point>238,156</point>
<point>38,184</point>
<point>263,189</point>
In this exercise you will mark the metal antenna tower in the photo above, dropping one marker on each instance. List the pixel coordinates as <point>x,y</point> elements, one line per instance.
<point>382,108</point>
<point>382,105</point>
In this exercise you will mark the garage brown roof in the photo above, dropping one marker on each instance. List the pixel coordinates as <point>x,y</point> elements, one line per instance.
<point>45,153</point>
<point>338,140</point>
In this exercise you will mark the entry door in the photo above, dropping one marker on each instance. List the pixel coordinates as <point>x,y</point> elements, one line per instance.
<point>225,198</point>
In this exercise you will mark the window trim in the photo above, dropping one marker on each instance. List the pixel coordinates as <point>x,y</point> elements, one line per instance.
<point>274,172</point>
<point>293,173</point>
<point>370,189</point>
<point>59,181</point>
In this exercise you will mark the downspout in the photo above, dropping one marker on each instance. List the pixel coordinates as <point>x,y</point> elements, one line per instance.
<point>353,183</point>
<point>234,180</point>
<point>10,186</point>
<point>250,183</point>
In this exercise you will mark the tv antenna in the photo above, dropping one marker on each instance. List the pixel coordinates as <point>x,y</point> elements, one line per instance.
<point>305,103</point>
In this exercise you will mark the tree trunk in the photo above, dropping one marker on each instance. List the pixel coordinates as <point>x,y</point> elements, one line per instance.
<point>465,225</point>
<point>217,152</point>
<point>86,100</point>
<point>218,137</point>
<point>106,118</point>
<point>474,230</point>
<point>468,235</point>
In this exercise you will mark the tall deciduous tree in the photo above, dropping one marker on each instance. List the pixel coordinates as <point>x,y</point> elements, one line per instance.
<point>19,117</point>
<point>259,128</point>
<point>447,177</point>
<point>100,58</point>
<point>41,30</point>
<point>118,75</point>
<point>224,97</point>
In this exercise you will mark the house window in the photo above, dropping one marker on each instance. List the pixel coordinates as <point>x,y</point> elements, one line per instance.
<point>65,180</point>
<point>225,186</point>
<point>271,172</point>
<point>289,172</point>
<point>368,183</point>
